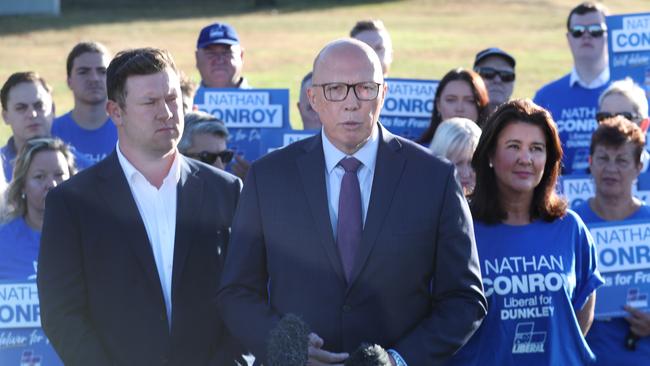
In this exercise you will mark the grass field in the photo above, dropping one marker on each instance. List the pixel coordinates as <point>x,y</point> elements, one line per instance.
<point>430,36</point>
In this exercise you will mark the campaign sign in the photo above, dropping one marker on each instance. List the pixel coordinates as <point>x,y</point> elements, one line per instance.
<point>624,261</point>
<point>22,341</point>
<point>408,106</point>
<point>273,139</point>
<point>629,48</point>
<point>246,113</point>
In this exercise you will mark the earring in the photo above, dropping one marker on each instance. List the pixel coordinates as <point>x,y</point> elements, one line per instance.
<point>22,195</point>
<point>490,164</point>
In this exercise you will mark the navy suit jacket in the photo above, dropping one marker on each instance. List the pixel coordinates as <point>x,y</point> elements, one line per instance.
<point>100,293</point>
<point>416,284</point>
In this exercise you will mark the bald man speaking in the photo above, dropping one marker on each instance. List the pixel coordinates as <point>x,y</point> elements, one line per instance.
<point>363,234</point>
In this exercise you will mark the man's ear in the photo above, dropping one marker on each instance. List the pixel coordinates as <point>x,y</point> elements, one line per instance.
<point>312,97</point>
<point>114,111</point>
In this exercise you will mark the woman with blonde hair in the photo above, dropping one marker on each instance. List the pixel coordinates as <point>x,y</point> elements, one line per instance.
<point>41,165</point>
<point>456,140</point>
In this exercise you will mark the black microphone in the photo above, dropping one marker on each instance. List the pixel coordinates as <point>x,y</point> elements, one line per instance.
<point>630,341</point>
<point>368,355</point>
<point>288,342</point>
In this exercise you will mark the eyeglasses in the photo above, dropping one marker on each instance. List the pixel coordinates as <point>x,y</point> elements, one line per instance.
<point>209,158</point>
<point>595,30</point>
<point>490,73</point>
<point>601,116</point>
<point>337,92</point>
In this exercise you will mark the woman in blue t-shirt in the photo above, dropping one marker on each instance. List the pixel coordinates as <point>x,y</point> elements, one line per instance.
<point>41,165</point>
<point>615,163</point>
<point>537,259</point>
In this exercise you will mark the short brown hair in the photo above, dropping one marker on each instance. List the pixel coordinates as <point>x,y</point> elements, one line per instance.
<point>367,25</point>
<point>584,8</point>
<point>485,201</point>
<point>81,48</point>
<point>17,78</point>
<point>139,61</point>
<point>615,132</point>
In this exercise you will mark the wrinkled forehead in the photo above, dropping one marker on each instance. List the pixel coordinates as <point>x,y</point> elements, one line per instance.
<point>348,63</point>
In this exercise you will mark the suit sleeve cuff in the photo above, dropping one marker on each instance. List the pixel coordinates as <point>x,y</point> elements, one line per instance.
<point>396,356</point>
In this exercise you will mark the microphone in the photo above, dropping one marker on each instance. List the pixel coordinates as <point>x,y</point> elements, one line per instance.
<point>368,355</point>
<point>288,342</point>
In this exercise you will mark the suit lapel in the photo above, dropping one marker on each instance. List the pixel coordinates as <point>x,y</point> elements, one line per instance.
<point>388,172</point>
<point>188,207</point>
<point>312,172</point>
<point>119,199</point>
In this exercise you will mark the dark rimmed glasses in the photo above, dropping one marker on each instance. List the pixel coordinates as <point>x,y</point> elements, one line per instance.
<point>337,92</point>
<point>490,73</point>
<point>209,158</point>
<point>595,30</point>
<point>601,116</point>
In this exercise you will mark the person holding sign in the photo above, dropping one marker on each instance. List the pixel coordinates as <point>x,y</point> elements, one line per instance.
<point>615,163</point>
<point>363,234</point>
<point>456,140</point>
<point>42,164</point>
<point>460,93</point>
<point>220,57</point>
<point>572,100</point>
<point>538,260</point>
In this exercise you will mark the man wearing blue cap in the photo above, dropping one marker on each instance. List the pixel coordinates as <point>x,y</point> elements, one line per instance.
<point>497,69</point>
<point>220,57</point>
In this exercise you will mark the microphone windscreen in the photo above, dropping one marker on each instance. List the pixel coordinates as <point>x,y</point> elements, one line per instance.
<point>288,342</point>
<point>368,355</point>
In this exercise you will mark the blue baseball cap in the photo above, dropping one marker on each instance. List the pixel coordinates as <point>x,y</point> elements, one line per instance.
<point>217,33</point>
<point>494,51</point>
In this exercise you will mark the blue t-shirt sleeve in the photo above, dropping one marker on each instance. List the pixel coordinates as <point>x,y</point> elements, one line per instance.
<point>588,277</point>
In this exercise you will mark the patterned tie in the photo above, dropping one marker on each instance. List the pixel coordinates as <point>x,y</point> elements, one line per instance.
<point>349,227</point>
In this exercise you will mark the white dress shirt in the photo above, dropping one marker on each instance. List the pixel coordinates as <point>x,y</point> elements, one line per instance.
<point>367,155</point>
<point>601,80</point>
<point>157,208</point>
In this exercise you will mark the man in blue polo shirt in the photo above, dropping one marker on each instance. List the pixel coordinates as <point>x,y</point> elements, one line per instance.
<point>87,126</point>
<point>573,99</point>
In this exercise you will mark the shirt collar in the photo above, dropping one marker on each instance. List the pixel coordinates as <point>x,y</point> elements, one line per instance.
<point>367,154</point>
<point>601,80</point>
<point>131,172</point>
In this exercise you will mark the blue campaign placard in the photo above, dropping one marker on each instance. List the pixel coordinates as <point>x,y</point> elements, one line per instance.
<point>629,47</point>
<point>246,113</point>
<point>578,188</point>
<point>273,139</point>
<point>22,341</point>
<point>408,106</point>
<point>624,261</point>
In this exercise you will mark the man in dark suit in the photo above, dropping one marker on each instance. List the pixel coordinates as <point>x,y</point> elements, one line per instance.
<point>131,249</point>
<point>363,234</point>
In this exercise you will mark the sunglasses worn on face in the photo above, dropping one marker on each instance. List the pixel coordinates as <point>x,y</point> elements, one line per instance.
<point>595,30</point>
<point>209,158</point>
<point>601,116</point>
<point>490,73</point>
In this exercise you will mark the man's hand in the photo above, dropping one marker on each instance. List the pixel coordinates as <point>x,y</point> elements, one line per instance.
<point>639,321</point>
<point>240,166</point>
<point>320,357</point>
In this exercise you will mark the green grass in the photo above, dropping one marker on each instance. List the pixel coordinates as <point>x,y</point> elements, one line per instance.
<point>430,36</point>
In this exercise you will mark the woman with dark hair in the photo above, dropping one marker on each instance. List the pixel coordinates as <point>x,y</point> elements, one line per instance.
<point>615,163</point>
<point>537,258</point>
<point>42,163</point>
<point>460,93</point>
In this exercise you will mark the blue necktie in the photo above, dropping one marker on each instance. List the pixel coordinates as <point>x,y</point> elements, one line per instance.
<point>349,226</point>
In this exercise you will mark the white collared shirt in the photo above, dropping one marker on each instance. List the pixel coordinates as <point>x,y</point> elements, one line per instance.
<point>601,80</point>
<point>158,211</point>
<point>367,155</point>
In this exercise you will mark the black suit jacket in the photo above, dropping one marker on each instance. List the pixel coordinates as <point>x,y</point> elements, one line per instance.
<point>100,293</point>
<point>416,284</point>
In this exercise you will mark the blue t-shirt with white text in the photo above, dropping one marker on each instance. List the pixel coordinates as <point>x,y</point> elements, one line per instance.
<point>536,277</point>
<point>95,145</point>
<point>574,110</point>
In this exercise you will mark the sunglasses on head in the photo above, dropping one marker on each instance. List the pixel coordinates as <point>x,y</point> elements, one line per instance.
<point>209,158</point>
<point>595,30</point>
<point>490,73</point>
<point>601,116</point>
